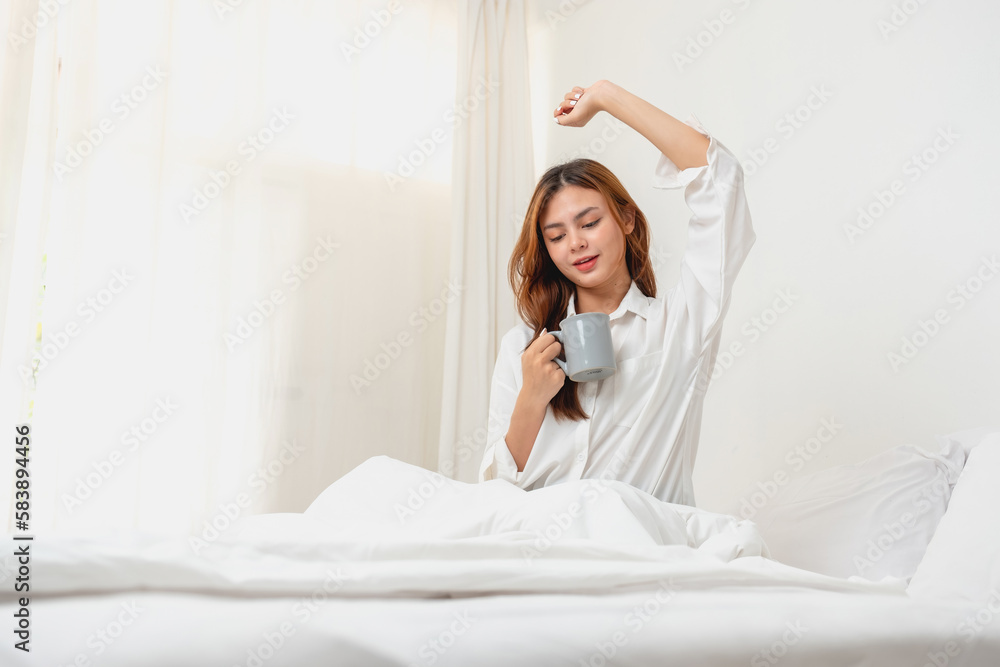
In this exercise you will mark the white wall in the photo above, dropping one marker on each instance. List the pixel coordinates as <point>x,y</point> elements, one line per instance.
<point>892,93</point>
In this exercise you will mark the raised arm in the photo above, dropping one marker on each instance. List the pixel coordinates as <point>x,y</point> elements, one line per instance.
<point>720,233</point>
<point>684,145</point>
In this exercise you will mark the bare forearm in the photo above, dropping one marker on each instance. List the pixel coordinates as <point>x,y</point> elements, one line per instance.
<point>684,145</point>
<point>525,422</point>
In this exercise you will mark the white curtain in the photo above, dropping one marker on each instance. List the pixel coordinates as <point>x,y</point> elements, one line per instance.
<point>28,78</point>
<point>493,179</point>
<point>241,210</point>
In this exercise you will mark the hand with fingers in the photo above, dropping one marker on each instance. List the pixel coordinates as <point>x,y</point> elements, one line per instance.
<point>581,104</point>
<point>542,378</point>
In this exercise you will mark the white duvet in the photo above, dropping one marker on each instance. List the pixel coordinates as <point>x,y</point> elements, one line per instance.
<point>388,528</point>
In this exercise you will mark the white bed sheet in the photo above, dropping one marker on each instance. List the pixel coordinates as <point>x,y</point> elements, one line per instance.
<point>353,581</point>
<point>705,628</point>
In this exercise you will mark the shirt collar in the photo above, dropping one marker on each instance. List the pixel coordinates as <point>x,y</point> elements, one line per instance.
<point>634,300</point>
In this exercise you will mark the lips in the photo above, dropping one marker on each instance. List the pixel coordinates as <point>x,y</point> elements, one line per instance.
<point>586,263</point>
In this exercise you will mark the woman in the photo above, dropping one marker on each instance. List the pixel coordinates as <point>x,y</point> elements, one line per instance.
<point>584,247</point>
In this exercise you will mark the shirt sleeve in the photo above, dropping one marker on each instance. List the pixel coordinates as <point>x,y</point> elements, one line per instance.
<point>720,236</point>
<point>498,463</point>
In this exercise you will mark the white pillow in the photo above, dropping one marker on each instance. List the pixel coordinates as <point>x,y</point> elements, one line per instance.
<point>968,439</point>
<point>963,559</point>
<point>871,519</point>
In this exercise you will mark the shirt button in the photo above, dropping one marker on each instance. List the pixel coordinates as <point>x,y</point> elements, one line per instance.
<point>580,457</point>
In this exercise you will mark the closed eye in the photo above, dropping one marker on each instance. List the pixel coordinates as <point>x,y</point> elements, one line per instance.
<point>589,224</point>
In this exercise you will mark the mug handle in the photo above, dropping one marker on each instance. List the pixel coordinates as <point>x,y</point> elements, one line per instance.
<point>562,364</point>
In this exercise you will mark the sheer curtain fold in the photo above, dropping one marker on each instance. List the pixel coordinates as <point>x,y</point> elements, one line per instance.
<point>28,76</point>
<point>223,253</point>
<point>492,176</point>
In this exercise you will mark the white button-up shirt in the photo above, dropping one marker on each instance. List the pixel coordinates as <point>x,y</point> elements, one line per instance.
<point>644,420</point>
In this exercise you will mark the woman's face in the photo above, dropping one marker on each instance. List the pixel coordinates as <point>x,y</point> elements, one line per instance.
<point>577,225</point>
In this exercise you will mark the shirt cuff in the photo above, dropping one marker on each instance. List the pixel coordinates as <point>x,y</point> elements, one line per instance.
<point>498,463</point>
<point>506,467</point>
<point>666,175</point>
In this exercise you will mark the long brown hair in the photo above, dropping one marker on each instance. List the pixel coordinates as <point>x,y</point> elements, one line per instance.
<point>542,292</point>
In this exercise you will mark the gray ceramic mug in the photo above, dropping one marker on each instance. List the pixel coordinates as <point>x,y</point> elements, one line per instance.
<point>586,341</point>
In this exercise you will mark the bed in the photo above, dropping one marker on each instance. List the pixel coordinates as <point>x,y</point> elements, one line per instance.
<point>396,565</point>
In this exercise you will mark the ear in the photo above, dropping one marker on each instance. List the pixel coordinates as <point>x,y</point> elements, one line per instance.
<point>629,220</point>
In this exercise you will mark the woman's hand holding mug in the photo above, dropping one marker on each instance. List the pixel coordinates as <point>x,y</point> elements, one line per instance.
<point>542,379</point>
